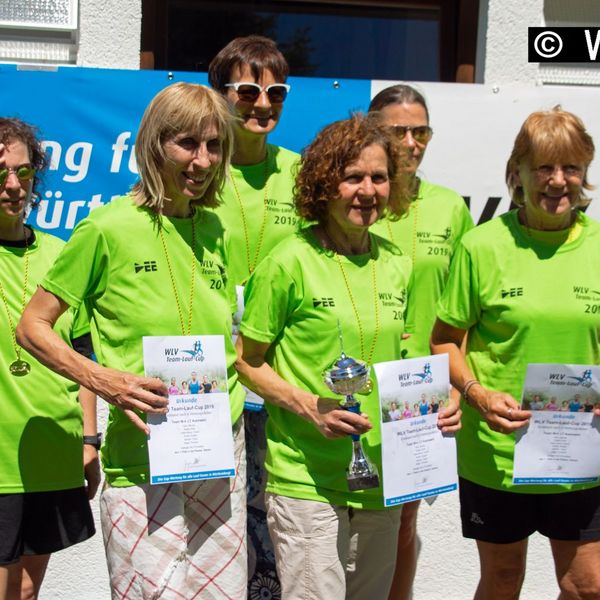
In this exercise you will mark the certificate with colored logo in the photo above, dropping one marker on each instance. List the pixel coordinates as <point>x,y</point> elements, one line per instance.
<point>193,440</point>
<point>418,460</point>
<point>561,444</point>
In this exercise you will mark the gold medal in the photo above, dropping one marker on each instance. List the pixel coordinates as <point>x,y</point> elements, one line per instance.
<point>19,368</point>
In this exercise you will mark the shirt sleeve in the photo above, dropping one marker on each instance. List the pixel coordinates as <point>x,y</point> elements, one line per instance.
<point>463,220</point>
<point>81,269</point>
<point>269,298</point>
<point>459,304</point>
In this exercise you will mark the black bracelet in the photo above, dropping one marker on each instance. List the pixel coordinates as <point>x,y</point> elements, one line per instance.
<point>93,440</point>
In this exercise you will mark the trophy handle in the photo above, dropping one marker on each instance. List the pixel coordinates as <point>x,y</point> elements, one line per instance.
<point>353,408</point>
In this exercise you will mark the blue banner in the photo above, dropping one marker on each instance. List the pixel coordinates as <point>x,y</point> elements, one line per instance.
<point>88,120</point>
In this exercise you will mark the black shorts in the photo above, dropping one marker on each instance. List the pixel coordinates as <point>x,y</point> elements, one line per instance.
<point>502,517</point>
<point>43,522</point>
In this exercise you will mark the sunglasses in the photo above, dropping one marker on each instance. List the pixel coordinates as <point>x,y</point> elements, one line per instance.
<point>249,92</point>
<point>421,134</point>
<point>23,173</point>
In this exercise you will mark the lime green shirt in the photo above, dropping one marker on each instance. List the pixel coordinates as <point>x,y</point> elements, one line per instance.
<point>41,424</point>
<point>293,302</point>
<point>522,301</point>
<point>116,263</point>
<point>257,215</point>
<point>429,234</point>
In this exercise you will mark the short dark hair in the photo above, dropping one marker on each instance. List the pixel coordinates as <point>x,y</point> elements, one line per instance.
<point>12,130</point>
<point>326,158</point>
<point>258,52</point>
<point>398,94</point>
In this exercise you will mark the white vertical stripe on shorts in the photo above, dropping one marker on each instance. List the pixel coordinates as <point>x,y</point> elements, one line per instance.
<point>178,541</point>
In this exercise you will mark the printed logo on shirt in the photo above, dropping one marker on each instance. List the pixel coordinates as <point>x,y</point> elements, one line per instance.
<point>397,299</point>
<point>583,292</point>
<point>281,212</point>
<point>439,244</point>
<point>512,292</point>
<point>147,266</point>
<point>324,302</point>
<point>446,235</point>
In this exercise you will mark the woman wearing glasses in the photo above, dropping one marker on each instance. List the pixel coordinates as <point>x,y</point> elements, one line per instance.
<point>257,212</point>
<point>428,233</point>
<point>44,506</point>
<point>543,250</point>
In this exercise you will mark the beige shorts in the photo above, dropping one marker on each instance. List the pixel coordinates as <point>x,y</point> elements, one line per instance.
<point>329,552</point>
<point>175,541</point>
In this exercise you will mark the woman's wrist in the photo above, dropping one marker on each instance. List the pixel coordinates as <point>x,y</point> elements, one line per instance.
<point>474,395</point>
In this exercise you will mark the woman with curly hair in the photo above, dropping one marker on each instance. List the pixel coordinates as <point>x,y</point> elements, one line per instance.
<point>44,506</point>
<point>329,542</point>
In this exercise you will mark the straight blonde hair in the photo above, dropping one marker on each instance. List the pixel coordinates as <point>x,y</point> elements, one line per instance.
<point>181,107</point>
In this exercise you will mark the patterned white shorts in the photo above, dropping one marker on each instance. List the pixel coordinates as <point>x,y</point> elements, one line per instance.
<point>178,541</point>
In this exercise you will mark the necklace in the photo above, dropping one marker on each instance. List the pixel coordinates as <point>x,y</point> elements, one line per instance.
<point>252,262</point>
<point>414,209</point>
<point>361,333</point>
<point>18,368</point>
<point>185,330</point>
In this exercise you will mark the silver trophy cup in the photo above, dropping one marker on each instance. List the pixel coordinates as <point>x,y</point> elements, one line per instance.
<point>346,376</point>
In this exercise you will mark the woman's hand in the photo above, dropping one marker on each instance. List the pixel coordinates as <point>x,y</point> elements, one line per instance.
<point>131,393</point>
<point>91,470</point>
<point>501,411</point>
<point>449,417</point>
<point>334,422</point>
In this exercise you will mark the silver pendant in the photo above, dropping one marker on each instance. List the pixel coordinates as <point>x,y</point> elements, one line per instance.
<point>19,368</point>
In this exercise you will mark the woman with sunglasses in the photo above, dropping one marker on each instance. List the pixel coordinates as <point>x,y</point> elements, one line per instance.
<point>257,212</point>
<point>179,540</point>
<point>44,506</point>
<point>543,250</point>
<point>436,219</point>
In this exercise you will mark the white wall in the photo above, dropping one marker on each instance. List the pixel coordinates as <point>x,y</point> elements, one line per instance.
<point>109,34</point>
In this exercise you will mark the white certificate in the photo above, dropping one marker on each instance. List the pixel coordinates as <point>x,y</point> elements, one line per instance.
<point>253,401</point>
<point>561,444</point>
<point>193,440</point>
<point>418,460</point>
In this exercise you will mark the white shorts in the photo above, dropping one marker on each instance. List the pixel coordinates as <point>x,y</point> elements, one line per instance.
<point>179,541</point>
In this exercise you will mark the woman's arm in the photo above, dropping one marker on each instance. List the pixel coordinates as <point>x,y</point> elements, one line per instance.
<point>500,410</point>
<point>325,413</point>
<point>127,391</point>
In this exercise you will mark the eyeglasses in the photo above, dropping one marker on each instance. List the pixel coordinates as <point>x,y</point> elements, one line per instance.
<point>569,171</point>
<point>249,92</point>
<point>421,134</point>
<point>24,173</point>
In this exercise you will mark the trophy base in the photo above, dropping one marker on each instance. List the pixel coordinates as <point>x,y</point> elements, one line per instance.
<point>364,482</point>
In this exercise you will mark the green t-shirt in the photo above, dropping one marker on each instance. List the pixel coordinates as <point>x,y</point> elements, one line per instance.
<point>519,300</point>
<point>429,233</point>
<point>41,423</point>
<point>268,215</point>
<point>293,302</point>
<point>116,263</point>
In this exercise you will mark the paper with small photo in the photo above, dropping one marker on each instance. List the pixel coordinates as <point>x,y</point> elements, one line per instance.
<point>418,460</point>
<point>194,440</point>
<point>561,444</point>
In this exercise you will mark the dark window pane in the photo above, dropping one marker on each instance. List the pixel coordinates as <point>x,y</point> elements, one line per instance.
<point>318,41</point>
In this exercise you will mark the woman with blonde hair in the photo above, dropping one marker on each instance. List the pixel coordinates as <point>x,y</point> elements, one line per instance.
<point>181,539</point>
<point>543,250</point>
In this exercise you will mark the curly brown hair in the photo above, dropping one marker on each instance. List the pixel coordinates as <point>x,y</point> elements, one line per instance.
<point>11,130</point>
<point>336,147</point>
